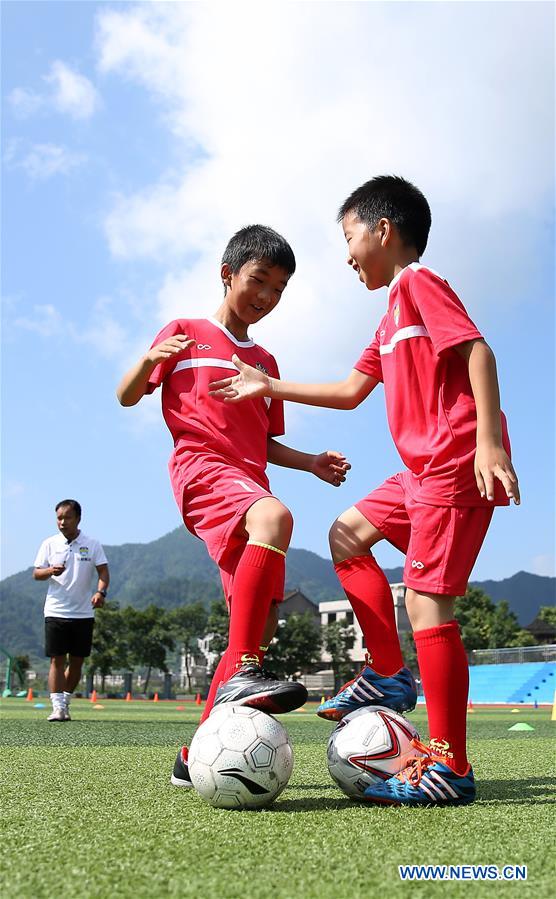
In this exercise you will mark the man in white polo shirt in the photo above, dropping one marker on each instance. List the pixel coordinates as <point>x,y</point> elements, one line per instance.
<point>67,561</point>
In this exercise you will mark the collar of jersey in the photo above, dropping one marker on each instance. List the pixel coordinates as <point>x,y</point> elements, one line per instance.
<point>228,334</point>
<point>413,265</point>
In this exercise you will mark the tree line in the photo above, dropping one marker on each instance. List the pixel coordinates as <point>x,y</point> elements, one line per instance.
<point>128,638</point>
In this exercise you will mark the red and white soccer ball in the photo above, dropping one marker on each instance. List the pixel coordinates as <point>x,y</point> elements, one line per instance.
<point>369,745</point>
<point>240,758</point>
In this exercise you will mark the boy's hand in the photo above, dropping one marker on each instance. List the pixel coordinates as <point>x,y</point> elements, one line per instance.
<point>168,348</point>
<point>248,384</point>
<point>330,466</point>
<point>493,462</point>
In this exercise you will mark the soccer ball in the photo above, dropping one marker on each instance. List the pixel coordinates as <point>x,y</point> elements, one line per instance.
<point>240,758</point>
<point>369,745</point>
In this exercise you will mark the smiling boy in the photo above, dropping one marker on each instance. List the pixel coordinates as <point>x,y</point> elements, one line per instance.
<point>217,468</point>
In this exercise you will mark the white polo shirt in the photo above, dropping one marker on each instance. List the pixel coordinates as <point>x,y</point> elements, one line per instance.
<point>69,595</point>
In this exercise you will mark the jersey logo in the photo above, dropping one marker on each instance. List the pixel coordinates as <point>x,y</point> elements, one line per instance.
<point>415,564</point>
<point>204,346</point>
<point>261,367</point>
<point>396,314</point>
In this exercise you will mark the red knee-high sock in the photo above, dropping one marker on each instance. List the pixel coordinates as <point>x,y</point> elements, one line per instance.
<point>217,679</point>
<point>259,570</point>
<point>369,593</point>
<point>261,652</point>
<point>445,678</point>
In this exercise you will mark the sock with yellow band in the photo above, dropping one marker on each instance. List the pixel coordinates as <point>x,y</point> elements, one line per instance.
<point>260,568</point>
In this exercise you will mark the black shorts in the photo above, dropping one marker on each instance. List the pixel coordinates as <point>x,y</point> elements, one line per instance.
<point>68,636</point>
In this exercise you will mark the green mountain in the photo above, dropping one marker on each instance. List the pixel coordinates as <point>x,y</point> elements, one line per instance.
<point>176,569</point>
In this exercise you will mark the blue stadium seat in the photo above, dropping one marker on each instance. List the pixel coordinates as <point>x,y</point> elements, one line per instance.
<point>512,683</point>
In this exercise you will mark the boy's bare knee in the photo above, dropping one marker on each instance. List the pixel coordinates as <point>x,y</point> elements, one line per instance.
<point>351,535</point>
<point>269,521</point>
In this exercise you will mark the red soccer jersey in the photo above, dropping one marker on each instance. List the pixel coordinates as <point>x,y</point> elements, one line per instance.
<point>198,423</point>
<point>429,402</point>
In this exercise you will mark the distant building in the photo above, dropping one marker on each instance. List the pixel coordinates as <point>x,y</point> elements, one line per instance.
<point>542,631</point>
<point>297,603</point>
<point>340,610</point>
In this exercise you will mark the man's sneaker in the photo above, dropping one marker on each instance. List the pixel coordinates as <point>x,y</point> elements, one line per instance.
<point>257,688</point>
<point>426,781</point>
<point>180,775</point>
<point>59,714</point>
<point>397,692</point>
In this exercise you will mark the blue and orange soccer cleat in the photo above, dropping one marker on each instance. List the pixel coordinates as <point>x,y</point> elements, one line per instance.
<point>397,692</point>
<point>425,781</point>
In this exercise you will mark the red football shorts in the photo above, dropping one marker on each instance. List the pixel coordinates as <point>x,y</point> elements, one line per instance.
<point>213,497</point>
<point>441,543</point>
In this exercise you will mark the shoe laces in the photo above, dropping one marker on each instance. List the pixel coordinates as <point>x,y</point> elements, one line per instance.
<point>418,765</point>
<point>257,671</point>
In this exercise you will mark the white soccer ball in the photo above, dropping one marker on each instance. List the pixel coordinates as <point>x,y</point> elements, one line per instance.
<point>240,758</point>
<point>369,745</point>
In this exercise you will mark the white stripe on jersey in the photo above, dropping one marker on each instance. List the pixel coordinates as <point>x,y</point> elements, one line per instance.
<point>404,334</point>
<point>205,363</point>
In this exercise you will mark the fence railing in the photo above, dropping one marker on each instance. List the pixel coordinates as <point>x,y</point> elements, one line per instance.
<point>512,655</point>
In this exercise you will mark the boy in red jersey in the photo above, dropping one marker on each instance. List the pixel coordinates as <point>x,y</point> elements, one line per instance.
<point>217,468</point>
<point>443,408</point>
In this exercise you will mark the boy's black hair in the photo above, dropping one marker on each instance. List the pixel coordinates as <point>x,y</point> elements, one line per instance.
<point>394,198</point>
<point>72,503</point>
<point>258,243</point>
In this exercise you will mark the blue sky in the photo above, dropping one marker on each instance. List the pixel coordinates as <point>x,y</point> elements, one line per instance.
<point>138,137</point>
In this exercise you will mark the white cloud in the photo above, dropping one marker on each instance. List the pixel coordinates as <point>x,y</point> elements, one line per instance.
<point>72,93</point>
<point>13,489</point>
<point>101,331</point>
<point>104,333</point>
<point>43,161</point>
<point>279,110</point>
<point>68,92</point>
<point>46,321</point>
<point>24,102</point>
<point>543,565</point>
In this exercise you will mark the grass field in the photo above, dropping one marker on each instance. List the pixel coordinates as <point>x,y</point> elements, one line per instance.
<point>88,811</point>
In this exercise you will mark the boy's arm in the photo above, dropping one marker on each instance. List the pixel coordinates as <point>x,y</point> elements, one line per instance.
<point>329,466</point>
<point>250,383</point>
<point>491,459</point>
<point>134,383</point>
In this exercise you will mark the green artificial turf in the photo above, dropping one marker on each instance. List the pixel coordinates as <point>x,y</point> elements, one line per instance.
<point>88,811</point>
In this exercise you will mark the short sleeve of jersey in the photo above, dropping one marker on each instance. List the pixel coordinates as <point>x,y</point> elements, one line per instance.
<point>369,361</point>
<point>42,560</point>
<point>163,369</point>
<point>98,554</point>
<point>441,310</point>
<point>276,424</point>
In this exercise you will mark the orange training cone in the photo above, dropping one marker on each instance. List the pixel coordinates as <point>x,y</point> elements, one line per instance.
<point>128,697</point>
<point>94,696</point>
<point>29,697</point>
<point>198,699</point>
<point>155,697</point>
